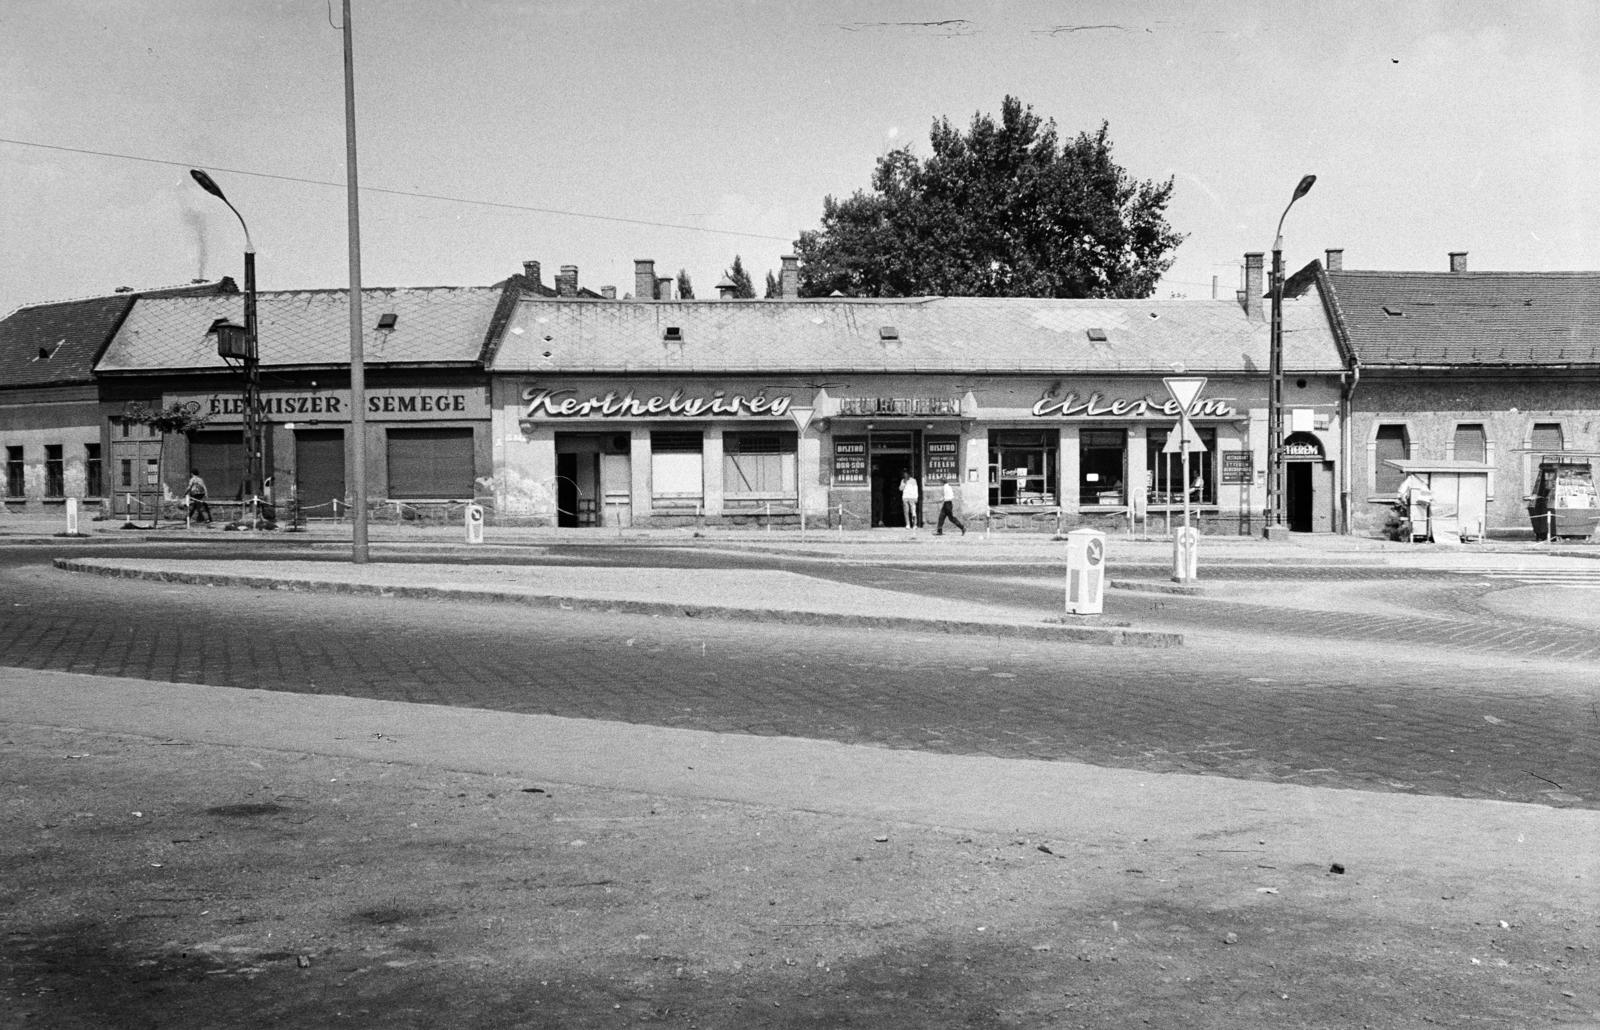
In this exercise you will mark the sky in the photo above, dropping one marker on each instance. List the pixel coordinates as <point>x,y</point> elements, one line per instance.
<point>493,132</point>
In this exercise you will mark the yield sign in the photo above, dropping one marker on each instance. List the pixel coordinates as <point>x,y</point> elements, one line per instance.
<point>1184,390</point>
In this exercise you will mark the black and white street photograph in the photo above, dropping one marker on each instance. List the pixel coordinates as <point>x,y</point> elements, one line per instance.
<point>720,515</point>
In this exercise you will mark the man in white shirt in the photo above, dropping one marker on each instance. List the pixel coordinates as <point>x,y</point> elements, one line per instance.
<point>947,510</point>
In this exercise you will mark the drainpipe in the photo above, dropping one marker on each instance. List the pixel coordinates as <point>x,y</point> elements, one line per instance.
<point>1348,383</point>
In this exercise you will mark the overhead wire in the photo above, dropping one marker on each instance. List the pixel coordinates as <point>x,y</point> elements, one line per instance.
<point>398,193</point>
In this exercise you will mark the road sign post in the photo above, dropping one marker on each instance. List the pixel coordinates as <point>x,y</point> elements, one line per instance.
<point>1185,543</point>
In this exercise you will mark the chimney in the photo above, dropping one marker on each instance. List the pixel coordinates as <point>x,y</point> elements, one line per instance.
<point>789,278</point>
<point>567,281</point>
<point>1335,262</point>
<point>530,270</point>
<point>1252,284</point>
<point>725,289</point>
<point>1458,261</point>
<point>644,279</point>
<point>664,288</point>
<point>608,292</point>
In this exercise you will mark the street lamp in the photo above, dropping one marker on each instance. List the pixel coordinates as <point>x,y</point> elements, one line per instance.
<point>1275,395</point>
<point>232,343</point>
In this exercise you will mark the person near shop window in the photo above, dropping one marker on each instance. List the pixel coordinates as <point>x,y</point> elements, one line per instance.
<point>947,510</point>
<point>910,499</point>
<point>195,494</point>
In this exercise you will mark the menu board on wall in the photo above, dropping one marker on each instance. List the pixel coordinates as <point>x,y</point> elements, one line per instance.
<point>940,458</point>
<point>849,460</point>
<point>1237,467</point>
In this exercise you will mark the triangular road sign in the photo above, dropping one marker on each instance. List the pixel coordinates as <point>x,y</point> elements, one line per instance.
<point>1184,390</point>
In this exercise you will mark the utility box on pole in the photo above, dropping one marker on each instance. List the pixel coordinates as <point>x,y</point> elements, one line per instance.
<point>1086,572</point>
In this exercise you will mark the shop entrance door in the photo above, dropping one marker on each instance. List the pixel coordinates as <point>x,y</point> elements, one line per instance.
<point>1308,496</point>
<point>892,454</point>
<point>594,479</point>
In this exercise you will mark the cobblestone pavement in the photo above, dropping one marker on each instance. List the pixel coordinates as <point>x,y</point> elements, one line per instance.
<point>1263,693</point>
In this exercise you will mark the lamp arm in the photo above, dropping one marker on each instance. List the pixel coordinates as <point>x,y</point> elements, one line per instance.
<point>250,248</point>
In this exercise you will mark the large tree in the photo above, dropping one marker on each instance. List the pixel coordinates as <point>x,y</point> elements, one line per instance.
<point>1002,210</point>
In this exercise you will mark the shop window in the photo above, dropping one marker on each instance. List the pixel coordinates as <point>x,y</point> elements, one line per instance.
<point>1392,443</point>
<point>1101,459</point>
<point>1471,443</point>
<point>1165,471</point>
<point>94,484</point>
<point>677,470</point>
<point>760,465</point>
<point>432,463</point>
<point>1547,437</point>
<point>1022,467</point>
<point>14,480</point>
<point>55,471</point>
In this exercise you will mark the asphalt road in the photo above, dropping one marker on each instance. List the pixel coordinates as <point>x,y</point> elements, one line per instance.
<point>1456,699</point>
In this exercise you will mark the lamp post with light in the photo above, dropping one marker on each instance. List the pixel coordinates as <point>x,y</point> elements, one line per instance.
<point>1275,482</point>
<point>240,343</point>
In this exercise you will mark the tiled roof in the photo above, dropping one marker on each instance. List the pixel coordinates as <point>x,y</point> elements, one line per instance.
<point>433,325</point>
<point>1470,318</point>
<point>934,334</point>
<point>56,344</point>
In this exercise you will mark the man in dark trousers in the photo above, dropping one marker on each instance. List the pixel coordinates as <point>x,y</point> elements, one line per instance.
<point>947,510</point>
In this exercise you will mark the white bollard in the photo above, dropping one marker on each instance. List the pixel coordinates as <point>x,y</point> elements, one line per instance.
<point>1086,572</point>
<point>72,516</point>
<point>1185,554</point>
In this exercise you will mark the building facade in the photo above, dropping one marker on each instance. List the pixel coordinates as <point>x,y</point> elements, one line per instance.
<point>1036,412</point>
<point>425,408</point>
<point>54,416</point>
<point>1493,369</point>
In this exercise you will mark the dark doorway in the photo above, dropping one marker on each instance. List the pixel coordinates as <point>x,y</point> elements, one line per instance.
<point>567,490</point>
<point>1299,501</point>
<point>319,472</point>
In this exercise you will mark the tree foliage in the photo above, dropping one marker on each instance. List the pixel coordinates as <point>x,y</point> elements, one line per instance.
<point>1005,209</point>
<point>743,288</point>
<point>685,287</point>
<point>174,418</point>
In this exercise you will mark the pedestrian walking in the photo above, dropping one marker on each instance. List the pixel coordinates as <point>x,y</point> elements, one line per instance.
<point>195,493</point>
<point>947,510</point>
<point>910,499</point>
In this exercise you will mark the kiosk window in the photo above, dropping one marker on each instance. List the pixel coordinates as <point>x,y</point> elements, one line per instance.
<point>1101,454</point>
<point>1022,467</point>
<point>1165,471</point>
<point>677,468</point>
